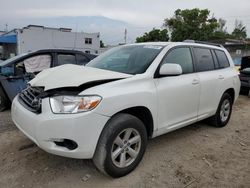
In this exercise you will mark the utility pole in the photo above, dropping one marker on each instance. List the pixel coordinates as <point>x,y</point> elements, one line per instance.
<point>6,27</point>
<point>125,36</point>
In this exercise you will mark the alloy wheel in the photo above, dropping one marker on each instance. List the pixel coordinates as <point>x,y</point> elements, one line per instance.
<point>225,110</point>
<point>126,148</point>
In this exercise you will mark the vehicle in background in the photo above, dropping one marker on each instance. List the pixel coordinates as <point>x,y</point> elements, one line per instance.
<point>245,74</point>
<point>110,108</point>
<point>245,62</point>
<point>16,72</point>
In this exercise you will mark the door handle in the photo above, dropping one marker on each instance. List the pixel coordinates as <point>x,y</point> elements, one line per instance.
<point>195,81</point>
<point>221,77</point>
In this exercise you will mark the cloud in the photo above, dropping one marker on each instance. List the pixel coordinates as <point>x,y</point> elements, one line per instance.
<point>143,14</point>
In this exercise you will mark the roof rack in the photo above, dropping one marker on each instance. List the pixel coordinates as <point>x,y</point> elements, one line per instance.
<point>204,42</point>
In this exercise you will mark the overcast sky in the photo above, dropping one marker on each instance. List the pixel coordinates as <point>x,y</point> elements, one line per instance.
<point>138,15</point>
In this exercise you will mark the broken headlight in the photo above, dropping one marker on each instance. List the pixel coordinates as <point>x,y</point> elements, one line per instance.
<point>73,104</point>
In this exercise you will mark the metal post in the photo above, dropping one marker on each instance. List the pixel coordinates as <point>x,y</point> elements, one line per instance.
<point>125,36</point>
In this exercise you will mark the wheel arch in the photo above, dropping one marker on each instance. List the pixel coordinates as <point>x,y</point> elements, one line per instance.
<point>231,92</point>
<point>144,114</point>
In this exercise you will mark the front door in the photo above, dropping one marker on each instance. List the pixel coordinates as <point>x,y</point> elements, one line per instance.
<point>178,96</point>
<point>23,71</point>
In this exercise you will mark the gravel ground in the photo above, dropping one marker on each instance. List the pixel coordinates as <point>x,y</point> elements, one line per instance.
<point>194,156</point>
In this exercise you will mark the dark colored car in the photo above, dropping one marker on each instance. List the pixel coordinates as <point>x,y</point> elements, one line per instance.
<point>245,73</point>
<point>16,72</point>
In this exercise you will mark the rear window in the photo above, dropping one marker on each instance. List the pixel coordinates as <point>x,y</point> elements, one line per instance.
<point>204,59</point>
<point>222,58</point>
<point>82,60</point>
<point>66,59</point>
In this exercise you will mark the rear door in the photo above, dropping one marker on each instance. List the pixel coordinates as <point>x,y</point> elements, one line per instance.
<point>178,96</point>
<point>210,77</point>
<point>226,75</point>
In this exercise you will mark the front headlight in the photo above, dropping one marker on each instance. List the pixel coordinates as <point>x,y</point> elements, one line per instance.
<point>73,104</point>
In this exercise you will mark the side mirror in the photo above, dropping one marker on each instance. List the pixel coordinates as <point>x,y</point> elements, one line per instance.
<point>170,69</point>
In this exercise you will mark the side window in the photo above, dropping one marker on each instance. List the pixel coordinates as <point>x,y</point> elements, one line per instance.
<point>204,59</point>
<point>81,59</point>
<point>63,59</point>
<point>222,58</point>
<point>88,40</point>
<point>181,56</point>
<point>33,64</point>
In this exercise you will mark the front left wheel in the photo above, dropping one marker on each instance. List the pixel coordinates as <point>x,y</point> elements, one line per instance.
<point>121,146</point>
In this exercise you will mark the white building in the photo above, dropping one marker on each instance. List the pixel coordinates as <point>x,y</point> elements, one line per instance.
<point>34,37</point>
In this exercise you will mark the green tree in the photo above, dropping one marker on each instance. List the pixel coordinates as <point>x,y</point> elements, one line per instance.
<point>154,35</point>
<point>221,32</point>
<point>220,35</point>
<point>101,44</point>
<point>192,24</point>
<point>222,25</point>
<point>239,31</point>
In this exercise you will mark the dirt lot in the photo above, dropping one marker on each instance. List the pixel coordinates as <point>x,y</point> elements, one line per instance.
<point>195,156</point>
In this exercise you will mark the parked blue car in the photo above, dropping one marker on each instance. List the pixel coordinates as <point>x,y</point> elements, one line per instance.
<point>16,72</point>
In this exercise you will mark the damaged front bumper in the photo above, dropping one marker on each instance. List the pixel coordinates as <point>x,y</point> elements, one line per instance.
<point>49,130</point>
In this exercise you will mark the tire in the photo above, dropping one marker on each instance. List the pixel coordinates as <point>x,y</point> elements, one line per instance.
<point>221,118</point>
<point>110,145</point>
<point>3,100</point>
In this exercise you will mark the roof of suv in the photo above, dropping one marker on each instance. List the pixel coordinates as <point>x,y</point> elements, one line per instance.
<point>203,44</point>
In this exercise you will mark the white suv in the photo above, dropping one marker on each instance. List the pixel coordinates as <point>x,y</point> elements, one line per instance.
<point>108,109</point>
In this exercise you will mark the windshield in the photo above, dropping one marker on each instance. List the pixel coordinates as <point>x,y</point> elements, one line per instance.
<point>6,62</point>
<point>133,59</point>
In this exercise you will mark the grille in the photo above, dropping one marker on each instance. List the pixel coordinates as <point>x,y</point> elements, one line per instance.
<point>30,98</point>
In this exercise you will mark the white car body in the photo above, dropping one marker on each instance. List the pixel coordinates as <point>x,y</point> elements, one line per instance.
<point>173,102</point>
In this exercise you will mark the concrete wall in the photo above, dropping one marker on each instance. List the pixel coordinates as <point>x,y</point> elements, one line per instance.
<point>235,53</point>
<point>36,38</point>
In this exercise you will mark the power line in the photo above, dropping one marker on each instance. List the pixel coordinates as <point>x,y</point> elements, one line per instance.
<point>235,16</point>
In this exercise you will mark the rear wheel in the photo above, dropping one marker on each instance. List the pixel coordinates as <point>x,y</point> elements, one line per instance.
<point>121,146</point>
<point>3,100</point>
<point>223,113</point>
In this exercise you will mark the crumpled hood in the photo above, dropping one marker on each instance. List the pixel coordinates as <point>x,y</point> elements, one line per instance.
<point>73,76</point>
